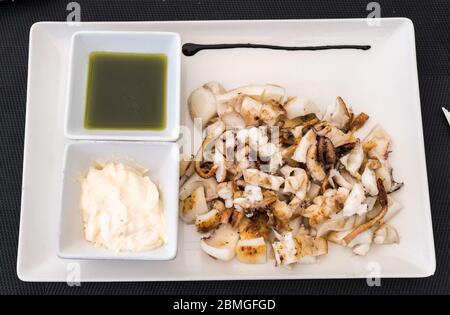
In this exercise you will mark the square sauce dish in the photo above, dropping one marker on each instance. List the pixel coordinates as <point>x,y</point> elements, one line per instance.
<point>123,86</point>
<point>146,157</point>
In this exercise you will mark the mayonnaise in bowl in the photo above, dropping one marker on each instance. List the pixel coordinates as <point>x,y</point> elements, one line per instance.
<point>121,208</point>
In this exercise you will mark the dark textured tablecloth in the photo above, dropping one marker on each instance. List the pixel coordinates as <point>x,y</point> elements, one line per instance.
<point>432,26</point>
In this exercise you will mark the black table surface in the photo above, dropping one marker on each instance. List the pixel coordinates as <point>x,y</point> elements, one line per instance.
<point>431,19</point>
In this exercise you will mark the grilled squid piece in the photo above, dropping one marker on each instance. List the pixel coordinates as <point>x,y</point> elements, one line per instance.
<point>298,107</point>
<point>218,205</point>
<point>384,172</point>
<point>314,167</point>
<point>338,114</point>
<point>252,251</point>
<point>232,100</point>
<point>205,170</point>
<point>353,160</point>
<point>378,141</point>
<point>267,150</point>
<point>221,244</point>
<point>362,243</point>
<point>285,250</point>
<point>252,195</point>
<point>202,105</point>
<point>233,120</point>
<point>299,249</point>
<point>386,234</point>
<point>185,165</point>
<point>202,102</point>
<point>208,221</point>
<point>359,121</point>
<point>326,153</point>
<point>265,93</point>
<point>369,181</point>
<point>311,246</point>
<point>250,111</point>
<point>336,135</point>
<point>296,225</point>
<point>269,197</point>
<point>204,167</point>
<point>393,208</point>
<point>281,211</point>
<point>318,212</point>
<point>253,111</point>
<point>271,113</point>
<point>337,179</point>
<point>297,132</point>
<point>254,228</point>
<point>355,202</point>
<point>215,87</point>
<point>195,181</point>
<point>383,200</point>
<point>226,192</point>
<point>221,170</point>
<point>308,140</point>
<point>296,181</point>
<point>194,205</point>
<point>187,168</point>
<point>257,137</point>
<point>344,149</point>
<point>336,224</point>
<point>256,177</point>
<point>228,102</point>
<point>236,217</point>
<point>215,129</point>
<point>275,162</point>
<point>313,191</point>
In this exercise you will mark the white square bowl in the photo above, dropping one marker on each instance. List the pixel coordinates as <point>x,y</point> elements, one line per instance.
<point>85,42</point>
<point>162,160</point>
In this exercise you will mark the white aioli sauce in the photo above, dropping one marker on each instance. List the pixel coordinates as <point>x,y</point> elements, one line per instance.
<point>121,208</point>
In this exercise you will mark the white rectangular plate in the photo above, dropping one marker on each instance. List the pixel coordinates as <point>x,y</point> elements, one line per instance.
<point>381,82</point>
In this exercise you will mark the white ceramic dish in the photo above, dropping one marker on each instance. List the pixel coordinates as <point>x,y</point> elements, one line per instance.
<point>381,81</point>
<point>83,43</point>
<point>163,172</point>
